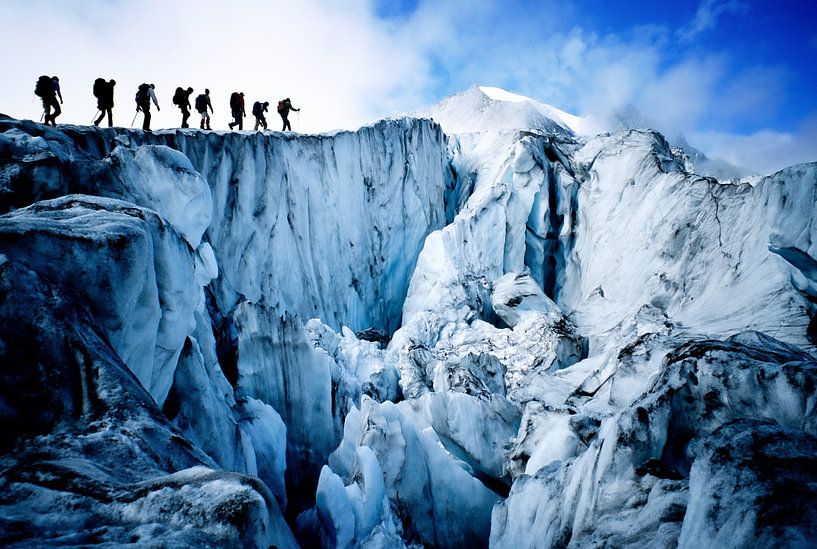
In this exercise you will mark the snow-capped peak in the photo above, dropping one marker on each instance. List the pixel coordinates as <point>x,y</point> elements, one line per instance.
<point>485,108</point>
<point>498,94</point>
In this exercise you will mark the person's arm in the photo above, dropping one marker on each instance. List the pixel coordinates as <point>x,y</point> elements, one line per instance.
<point>59,93</point>
<point>153,97</point>
<point>209,105</point>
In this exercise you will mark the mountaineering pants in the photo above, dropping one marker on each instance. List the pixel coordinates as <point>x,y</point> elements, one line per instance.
<point>48,104</point>
<point>104,110</point>
<point>260,121</point>
<point>146,111</point>
<point>238,120</point>
<point>285,118</point>
<point>185,116</point>
<point>205,119</point>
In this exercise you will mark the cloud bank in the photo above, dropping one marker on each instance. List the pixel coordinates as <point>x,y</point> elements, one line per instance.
<point>346,64</point>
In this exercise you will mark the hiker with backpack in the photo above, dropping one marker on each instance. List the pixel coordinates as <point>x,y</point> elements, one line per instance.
<point>103,91</point>
<point>202,104</point>
<point>284,106</point>
<point>182,100</point>
<point>144,95</point>
<point>47,89</point>
<point>258,110</point>
<point>237,108</point>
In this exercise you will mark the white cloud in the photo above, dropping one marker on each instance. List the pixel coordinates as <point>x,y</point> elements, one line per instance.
<point>707,15</point>
<point>332,58</point>
<point>345,66</point>
<point>762,152</point>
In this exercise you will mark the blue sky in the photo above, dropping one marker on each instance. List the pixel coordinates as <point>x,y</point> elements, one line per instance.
<point>769,47</point>
<point>737,78</point>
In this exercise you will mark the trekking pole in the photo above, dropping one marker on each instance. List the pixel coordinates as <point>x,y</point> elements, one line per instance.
<point>41,116</point>
<point>94,118</point>
<point>134,119</point>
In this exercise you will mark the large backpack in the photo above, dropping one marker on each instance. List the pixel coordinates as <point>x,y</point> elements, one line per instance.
<point>201,103</point>
<point>44,88</point>
<point>179,97</point>
<point>142,95</point>
<point>235,101</point>
<point>258,109</point>
<point>282,106</point>
<point>99,88</point>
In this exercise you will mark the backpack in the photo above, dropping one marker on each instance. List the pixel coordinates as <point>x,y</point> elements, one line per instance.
<point>201,103</point>
<point>44,88</point>
<point>99,87</point>
<point>258,109</point>
<point>282,106</point>
<point>179,97</point>
<point>142,94</point>
<point>235,101</point>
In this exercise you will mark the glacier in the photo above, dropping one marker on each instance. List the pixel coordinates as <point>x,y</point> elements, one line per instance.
<point>481,325</point>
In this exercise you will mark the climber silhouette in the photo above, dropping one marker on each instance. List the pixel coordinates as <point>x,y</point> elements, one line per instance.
<point>284,106</point>
<point>47,89</point>
<point>144,95</point>
<point>103,91</point>
<point>182,100</point>
<point>202,104</point>
<point>258,110</point>
<point>237,108</point>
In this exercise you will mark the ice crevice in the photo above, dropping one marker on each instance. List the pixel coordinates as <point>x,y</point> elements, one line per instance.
<point>396,337</point>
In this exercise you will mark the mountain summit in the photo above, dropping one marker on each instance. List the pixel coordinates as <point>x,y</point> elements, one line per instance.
<point>484,108</point>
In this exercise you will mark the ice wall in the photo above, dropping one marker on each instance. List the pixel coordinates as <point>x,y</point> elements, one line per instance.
<point>203,255</point>
<point>588,340</point>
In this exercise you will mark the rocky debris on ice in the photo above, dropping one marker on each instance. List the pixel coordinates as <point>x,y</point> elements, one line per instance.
<point>631,483</point>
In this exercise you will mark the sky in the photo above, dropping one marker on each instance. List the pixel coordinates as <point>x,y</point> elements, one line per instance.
<point>736,78</point>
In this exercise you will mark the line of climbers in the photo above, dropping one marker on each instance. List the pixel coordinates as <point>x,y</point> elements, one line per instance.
<point>48,89</point>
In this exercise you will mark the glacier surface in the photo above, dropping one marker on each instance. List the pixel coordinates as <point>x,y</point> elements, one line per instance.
<point>489,328</point>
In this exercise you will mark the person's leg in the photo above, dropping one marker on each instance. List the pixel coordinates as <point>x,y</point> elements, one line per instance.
<point>110,117</point>
<point>264,122</point>
<point>57,111</point>
<point>207,119</point>
<point>287,124</point>
<point>233,123</point>
<point>185,117</point>
<point>146,123</point>
<point>47,110</point>
<point>101,116</point>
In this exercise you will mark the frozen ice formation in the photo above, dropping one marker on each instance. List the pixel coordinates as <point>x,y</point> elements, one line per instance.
<point>492,328</point>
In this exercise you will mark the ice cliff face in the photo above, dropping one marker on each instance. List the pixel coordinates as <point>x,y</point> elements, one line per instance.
<point>510,335</point>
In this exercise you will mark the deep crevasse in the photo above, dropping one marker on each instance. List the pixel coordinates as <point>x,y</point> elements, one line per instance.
<point>494,413</point>
<point>323,226</point>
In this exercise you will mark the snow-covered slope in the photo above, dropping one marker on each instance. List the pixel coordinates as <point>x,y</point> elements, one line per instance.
<point>484,108</point>
<point>569,341</point>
